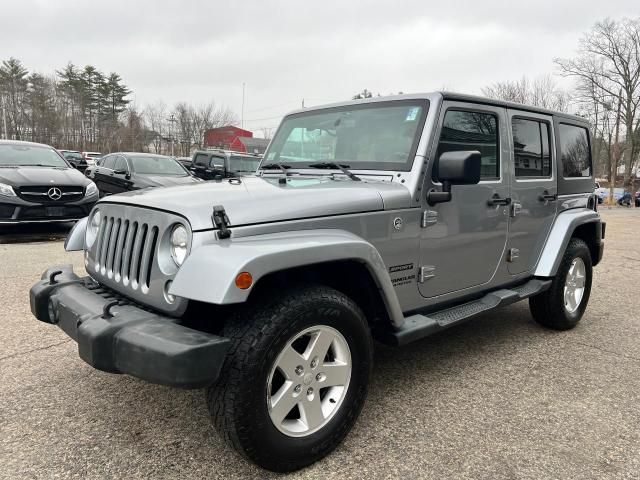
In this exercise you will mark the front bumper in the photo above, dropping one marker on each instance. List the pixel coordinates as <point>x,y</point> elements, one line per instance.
<point>115,336</point>
<point>15,210</point>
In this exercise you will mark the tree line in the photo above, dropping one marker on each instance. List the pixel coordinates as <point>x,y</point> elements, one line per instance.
<point>606,90</point>
<point>85,109</point>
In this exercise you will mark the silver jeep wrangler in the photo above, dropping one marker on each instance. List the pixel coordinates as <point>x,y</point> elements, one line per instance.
<point>387,218</point>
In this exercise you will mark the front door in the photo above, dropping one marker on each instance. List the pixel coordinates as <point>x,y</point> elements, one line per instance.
<point>533,188</point>
<point>464,240</point>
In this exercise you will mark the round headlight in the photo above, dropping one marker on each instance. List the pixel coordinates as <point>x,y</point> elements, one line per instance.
<point>92,227</point>
<point>179,242</point>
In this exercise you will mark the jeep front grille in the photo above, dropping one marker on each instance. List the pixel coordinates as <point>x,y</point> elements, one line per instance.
<point>131,254</point>
<point>125,251</point>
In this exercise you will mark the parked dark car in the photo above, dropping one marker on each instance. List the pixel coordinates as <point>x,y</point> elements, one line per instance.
<point>186,161</point>
<point>122,172</point>
<point>637,198</point>
<point>75,158</point>
<point>212,164</point>
<point>38,185</point>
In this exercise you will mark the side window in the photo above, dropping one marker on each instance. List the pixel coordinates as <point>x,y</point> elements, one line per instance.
<point>108,162</point>
<point>201,159</point>
<point>575,151</point>
<point>531,148</point>
<point>120,164</point>
<point>216,161</point>
<point>462,130</point>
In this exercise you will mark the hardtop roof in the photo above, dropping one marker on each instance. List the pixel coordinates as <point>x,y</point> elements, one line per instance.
<point>461,97</point>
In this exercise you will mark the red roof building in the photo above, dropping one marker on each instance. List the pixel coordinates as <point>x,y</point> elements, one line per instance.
<point>223,137</point>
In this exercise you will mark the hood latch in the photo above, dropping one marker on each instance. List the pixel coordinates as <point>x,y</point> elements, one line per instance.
<point>221,221</point>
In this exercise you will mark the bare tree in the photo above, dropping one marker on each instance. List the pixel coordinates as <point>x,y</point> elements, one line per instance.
<point>542,92</point>
<point>156,118</point>
<point>609,59</point>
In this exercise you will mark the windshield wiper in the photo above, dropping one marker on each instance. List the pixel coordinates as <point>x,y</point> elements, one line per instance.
<point>276,166</point>
<point>336,166</point>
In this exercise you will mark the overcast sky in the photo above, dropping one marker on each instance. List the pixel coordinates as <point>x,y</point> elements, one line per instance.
<point>319,50</point>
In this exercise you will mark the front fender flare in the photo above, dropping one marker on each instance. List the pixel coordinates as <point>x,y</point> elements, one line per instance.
<point>75,239</point>
<point>558,239</point>
<point>209,273</point>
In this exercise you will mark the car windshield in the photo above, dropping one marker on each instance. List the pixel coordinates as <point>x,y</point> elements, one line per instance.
<point>374,136</point>
<point>156,165</point>
<point>240,163</point>
<point>73,155</point>
<point>28,155</point>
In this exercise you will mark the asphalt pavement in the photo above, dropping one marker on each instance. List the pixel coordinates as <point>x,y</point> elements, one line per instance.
<point>496,398</point>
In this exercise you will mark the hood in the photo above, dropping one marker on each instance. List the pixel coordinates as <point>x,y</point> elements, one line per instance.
<point>30,176</point>
<point>263,199</point>
<point>164,180</point>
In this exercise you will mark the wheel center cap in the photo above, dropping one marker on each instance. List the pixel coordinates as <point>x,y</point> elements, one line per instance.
<point>308,378</point>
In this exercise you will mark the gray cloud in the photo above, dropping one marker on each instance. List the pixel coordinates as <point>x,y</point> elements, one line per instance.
<point>289,50</point>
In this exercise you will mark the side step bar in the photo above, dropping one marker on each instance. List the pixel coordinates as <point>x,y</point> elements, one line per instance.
<point>418,326</point>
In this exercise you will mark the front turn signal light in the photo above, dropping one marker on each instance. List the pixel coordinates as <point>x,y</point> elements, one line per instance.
<point>244,280</point>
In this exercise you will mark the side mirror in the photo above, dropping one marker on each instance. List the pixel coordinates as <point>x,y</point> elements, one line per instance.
<point>455,168</point>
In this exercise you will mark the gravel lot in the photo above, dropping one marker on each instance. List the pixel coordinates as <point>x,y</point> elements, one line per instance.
<point>498,397</point>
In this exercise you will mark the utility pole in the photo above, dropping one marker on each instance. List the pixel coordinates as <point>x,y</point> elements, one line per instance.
<point>172,119</point>
<point>242,111</point>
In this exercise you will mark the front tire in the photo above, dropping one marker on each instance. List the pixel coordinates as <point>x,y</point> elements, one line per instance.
<point>295,379</point>
<point>561,307</point>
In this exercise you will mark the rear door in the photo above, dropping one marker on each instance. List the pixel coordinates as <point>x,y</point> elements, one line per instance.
<point>103,171</point>
<point>534,190</point>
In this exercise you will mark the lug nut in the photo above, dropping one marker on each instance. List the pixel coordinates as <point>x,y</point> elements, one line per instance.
<point>320,377</point>
<point>310,391</point>
<point>299,370</point>
<point>297,389</point>
<point>314,362</point>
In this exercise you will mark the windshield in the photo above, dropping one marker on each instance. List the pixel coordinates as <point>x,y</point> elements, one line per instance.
<point>244,164</point>
<point>374,136</point>
<point>156,165</point>
<point>25,155</point>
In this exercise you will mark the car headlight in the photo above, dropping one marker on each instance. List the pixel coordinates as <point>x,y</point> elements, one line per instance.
<point>92,228</point>
<point>91,189</point>
<point>179,243</point>
<point>7,190</point>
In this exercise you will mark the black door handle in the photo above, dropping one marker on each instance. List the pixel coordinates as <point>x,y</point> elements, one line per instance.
<point>497,200</point>
<point>547,197</point>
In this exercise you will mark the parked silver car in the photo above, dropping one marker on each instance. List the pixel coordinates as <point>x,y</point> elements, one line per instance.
<point>389,218</point>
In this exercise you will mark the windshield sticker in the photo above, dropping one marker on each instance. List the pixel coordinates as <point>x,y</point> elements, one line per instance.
<point>412,114</point>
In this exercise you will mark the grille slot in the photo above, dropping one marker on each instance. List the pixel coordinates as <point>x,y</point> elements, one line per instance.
<point>125,251</point>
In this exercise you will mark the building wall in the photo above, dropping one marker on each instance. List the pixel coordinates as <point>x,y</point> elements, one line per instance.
<point>224,137</point>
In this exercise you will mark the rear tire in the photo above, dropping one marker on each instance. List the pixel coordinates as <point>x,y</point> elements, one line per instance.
<point>561,306</point>
<point>243,401</point>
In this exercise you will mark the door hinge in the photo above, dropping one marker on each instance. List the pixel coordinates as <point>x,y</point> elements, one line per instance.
<point>516,208</point>
<point>429,217</point>
<point>426,272</point>
<point>513,255</point>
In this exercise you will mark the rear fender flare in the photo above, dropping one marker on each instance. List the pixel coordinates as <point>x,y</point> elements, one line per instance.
<point>561,232</point>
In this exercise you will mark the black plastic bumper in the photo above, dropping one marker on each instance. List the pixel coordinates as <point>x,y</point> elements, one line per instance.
<point>126,338</point>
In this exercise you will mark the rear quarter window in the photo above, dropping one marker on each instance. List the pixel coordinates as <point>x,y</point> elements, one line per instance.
<point>575,151</point>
